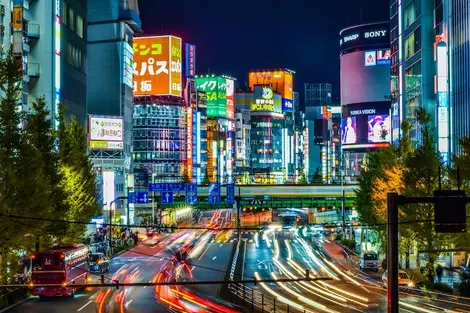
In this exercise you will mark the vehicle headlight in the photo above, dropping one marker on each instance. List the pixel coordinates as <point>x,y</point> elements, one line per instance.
<point>411,284</point>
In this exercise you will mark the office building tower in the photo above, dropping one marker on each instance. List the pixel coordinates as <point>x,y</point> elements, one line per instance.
<point>365,93</point>
<point>53,50</point>
<point>111,28</point>
<point>317,95</point>
<point>419,36</point>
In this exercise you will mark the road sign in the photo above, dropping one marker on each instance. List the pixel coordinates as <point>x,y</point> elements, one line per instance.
<point>230,194</point>
<point>131,197</point>
<point>258,201</point>
<point>167,187</point>
<point>191,193</point>
<point>143,197</point>
<point>167,197</point>
<point>214,193</point>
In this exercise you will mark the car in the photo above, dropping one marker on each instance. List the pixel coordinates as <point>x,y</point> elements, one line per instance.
<point>403,279</point>
<point>369,260</point>
<point>98,262</point>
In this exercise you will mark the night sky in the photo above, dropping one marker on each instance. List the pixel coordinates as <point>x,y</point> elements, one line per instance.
<point>233,37</point>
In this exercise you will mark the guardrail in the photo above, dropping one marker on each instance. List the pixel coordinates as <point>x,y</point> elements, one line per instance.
<point>256,301</point>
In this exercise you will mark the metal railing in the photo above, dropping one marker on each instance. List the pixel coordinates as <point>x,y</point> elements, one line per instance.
<point>255,301</point>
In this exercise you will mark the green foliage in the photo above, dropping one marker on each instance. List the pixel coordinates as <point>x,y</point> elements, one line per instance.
<point>349,243</point>
<point>78,181</point>
<point>303,179</point>
<point>436,286</point>
<point>464,283</point>
<point>317,177</point>
<point>37,180</point>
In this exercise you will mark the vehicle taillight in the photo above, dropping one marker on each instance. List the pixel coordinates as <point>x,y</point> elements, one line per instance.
<point>62,256</point>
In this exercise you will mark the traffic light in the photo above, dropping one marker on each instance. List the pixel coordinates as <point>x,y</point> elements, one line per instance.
<point>449,211</point>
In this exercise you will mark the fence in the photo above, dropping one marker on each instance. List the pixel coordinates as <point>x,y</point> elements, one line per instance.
<point>255,301</point>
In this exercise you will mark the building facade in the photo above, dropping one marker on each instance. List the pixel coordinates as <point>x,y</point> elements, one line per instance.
<point>419,37</point>
<point>365,94</point>
<point>317,95</point>
<point>50,37</point>
<point>112,26</point>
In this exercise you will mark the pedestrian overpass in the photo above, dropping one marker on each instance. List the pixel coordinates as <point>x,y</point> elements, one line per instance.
<point>272,197</point>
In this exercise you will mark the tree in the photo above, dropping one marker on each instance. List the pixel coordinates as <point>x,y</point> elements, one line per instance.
<point>421,179</point>
<point>317,177</point>
<point>10,147</point>
<point>78,181</point>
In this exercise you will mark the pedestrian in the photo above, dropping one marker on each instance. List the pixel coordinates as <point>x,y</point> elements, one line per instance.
<point>439,271</point>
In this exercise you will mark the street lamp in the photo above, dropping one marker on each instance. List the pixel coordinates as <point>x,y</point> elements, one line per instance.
<point>127,208</point>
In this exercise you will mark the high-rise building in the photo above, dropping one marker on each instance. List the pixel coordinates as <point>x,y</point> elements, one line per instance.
<point>220,99</point>
<point>51,39</point>
<point>317,95</point>
<point>457,13</point>
<point>365,93</point>
<point>419,36</point>
<point>111,28</point>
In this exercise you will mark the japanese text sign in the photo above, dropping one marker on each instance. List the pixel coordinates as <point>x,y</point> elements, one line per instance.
<point>215,89</point>
<point>157,65</point>
<point>190,60</point>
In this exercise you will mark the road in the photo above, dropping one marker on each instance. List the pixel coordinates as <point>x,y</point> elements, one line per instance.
<point>151,261</point>
<point>283,254</point>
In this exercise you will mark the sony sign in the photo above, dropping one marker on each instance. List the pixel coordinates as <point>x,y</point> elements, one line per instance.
<point>373,34</point>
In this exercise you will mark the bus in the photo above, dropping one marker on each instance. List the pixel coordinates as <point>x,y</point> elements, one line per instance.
<point>64,265</point>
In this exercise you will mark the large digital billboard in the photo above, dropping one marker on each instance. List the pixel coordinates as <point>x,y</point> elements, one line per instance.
<point>215,88</point>
<point>281,81</point>
<point>265,100</point>
<point>366,125</point>
<point>157,65</point>
<point>365,76</point>
<point>105,133</point>
<point>230,95</point>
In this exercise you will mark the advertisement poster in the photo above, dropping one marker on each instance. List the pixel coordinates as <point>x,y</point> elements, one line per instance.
<point>157,66</point>
<point>106,133</point>
<point>215,88</point>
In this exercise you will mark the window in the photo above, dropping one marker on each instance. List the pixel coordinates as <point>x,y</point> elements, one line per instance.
<point>64,13</point>
<point>413,43</point>
<point>79,29</point>
<point>71,20</point>
<point>411,12</point>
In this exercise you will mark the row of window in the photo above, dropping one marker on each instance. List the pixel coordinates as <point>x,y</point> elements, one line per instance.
<point>159,133</point>
<point>72,20</point>
<point>163,122</point>
<point>75,57</point>
<point>158,110</point>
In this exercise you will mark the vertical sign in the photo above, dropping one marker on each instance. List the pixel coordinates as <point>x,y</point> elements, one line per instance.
<point>18,18</point>
<point>230,95</point>
<point>230,194</point>
<point>176,67</point>
<point>190,60</point>
<point>191,194</point>
<point>214,193</point>
<point>189,146</point>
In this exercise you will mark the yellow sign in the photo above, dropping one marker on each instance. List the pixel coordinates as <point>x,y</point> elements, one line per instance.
<point>17,18</point>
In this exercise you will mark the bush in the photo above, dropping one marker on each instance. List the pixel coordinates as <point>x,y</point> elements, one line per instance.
<point>339,237</point>
<point>437,286</point>
<point>349,243</point>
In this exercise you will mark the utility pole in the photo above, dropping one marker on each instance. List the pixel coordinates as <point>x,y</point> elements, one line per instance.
<point>449,217</point>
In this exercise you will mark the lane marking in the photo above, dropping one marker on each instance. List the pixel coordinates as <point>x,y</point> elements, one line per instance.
<point>214,258</point>
<point>84,306</point>
<point>192,268</point>
<point>127,303</point>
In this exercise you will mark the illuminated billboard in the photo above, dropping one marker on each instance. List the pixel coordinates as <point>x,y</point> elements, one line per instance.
<point>366,126</point>
<point>157,66</point>
<point>215,88</point>
<point>190,60</point>
<point>365,76</point>
<point>105,133</point>
<point>281,81</point>
<point>266,100</point>
<point>230,95</point>
<point>365,36</point>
